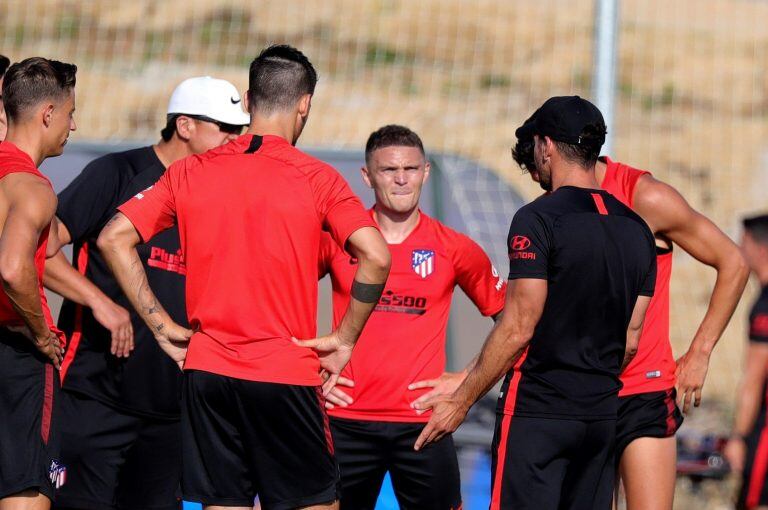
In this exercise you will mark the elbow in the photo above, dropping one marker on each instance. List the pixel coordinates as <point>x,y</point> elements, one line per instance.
<point>12,271</point>
<point>382,260</point>
<point>108,242</point>
<point>742,269</point>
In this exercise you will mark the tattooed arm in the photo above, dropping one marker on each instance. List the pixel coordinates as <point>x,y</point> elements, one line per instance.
<point>117,243</point>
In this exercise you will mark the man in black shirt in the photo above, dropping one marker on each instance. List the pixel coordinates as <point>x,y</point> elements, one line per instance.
<point>747,447</point>
<point>120,404</point>
<point>582,270</point>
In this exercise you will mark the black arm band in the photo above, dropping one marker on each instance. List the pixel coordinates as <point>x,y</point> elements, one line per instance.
<point>367,292</point>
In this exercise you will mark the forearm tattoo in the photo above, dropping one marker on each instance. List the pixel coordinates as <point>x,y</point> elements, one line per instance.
<point>145,298</point>
<point>367,292</point>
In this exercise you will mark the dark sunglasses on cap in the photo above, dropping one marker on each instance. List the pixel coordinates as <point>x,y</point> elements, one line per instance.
<point>230,129</point>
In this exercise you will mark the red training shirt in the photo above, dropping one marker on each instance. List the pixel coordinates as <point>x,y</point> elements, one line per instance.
<point>13,160</point>
<point>653,367</point>
<point>404,339</point>
<point>250,216</point>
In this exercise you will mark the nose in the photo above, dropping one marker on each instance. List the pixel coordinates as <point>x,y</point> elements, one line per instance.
<point>400,176</point>
<point>72,125</point>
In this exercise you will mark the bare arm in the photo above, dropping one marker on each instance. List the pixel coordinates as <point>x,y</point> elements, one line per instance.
<point>505,344</point>
<point>670,216</point>
<point>635,329</point>
<point>31,205</point>
<point>370,249</point>
<point>117,242</point>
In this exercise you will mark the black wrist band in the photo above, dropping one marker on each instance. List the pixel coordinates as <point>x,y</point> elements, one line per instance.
<point>367,292</point>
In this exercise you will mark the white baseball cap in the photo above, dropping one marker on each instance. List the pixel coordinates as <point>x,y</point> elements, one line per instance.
<point>209,97</point>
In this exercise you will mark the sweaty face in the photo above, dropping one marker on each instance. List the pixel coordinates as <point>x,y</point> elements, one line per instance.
<point>209,135</point>
<point>3,120</point>
<point>397,175</point>
<point>61,124</point>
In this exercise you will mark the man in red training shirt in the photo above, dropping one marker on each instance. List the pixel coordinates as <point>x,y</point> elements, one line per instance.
<point>39,100</point>
<point>653,383</point>
<point>401,352</point>
<point>250,216</point>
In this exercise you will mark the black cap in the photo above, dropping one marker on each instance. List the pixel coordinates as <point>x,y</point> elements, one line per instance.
<point>563,118</point>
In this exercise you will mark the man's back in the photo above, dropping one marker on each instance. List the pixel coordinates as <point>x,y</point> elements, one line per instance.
<point>597,256</point>
<point>250,239</point>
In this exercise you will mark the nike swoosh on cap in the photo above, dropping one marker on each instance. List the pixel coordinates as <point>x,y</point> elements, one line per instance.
<point>234,101</point>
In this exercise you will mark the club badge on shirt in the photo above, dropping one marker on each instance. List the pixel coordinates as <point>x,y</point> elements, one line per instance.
<point>423,262</point>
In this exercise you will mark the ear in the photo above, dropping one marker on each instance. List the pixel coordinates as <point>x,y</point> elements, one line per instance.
<point>366,174</point>
<point>47,113</point>
<point>427,168</point>
<point>247,101</point>
<point>185,127</point>
<point>305,103</point>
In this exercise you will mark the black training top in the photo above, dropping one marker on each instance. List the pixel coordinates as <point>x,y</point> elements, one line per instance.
<point>758,333</point>
<point>597,257</point>
<point>148,381</point>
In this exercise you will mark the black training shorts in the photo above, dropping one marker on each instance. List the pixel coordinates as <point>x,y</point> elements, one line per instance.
<point>423,480</point>
<point>244,438</point>
<point>546,463</point>
<point>653,414</point>
<point>29,445</point>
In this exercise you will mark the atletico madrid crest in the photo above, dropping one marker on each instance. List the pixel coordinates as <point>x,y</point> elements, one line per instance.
<point>58,474</point>
<point>423,262</point>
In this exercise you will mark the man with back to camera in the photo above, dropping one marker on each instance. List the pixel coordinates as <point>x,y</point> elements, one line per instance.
<point>250,216</point>
<point>401,353</point>
<point>4,63</point>
<point>582,270</point>
<point>648,416</point>
<point>39,101</point>
<point>748,445</point>
<point>120,414</point>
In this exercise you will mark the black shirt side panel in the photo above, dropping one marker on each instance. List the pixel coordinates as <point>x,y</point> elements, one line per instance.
<point>147,382</point>
<point>596,266</point>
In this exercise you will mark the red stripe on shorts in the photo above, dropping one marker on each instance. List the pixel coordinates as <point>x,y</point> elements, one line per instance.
<point>501,456</point>
<point>45,429</point>
<point>599,203</point>
<point>326,423</point>
<point>74,341</point>
<point>759,468</point>
<point>671,423</point>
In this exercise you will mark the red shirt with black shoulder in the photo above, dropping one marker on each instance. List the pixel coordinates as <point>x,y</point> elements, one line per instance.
<point>653,367</point>
<point>14,160</point>
<point>250,216</point>
<point>404,339</point>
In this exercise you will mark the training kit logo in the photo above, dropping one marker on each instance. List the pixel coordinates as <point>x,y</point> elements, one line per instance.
<point>140,195</point>
<point>57,473</point>
<point>161,259</point>
<point>517,247</point>
<point>234,101</point>
<point>423,262</point>
<point>401,303</point>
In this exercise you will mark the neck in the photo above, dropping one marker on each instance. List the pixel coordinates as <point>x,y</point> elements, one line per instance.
<point>600,169</point>
<point>281,125</point>
<point>395,226</point>
<point>27,140</point>
<point>569,174</point>
<point>171,151</point>
<point>762,275</point>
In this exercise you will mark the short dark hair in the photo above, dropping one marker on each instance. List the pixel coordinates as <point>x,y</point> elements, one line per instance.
<point>4,63</point>
<point>170,128</point>
<point>522,153</point>
<point>757,226</point>
<point>33,80</point>
<point>392,135</point>
<point>586,152</point>
<point>278,78</point>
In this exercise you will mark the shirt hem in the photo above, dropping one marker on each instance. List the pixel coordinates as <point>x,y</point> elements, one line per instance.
<point>249,376</point>
<point>647,388</point>
<point>120,406</point>
<point>579,417</point>
<point>333,413</point>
